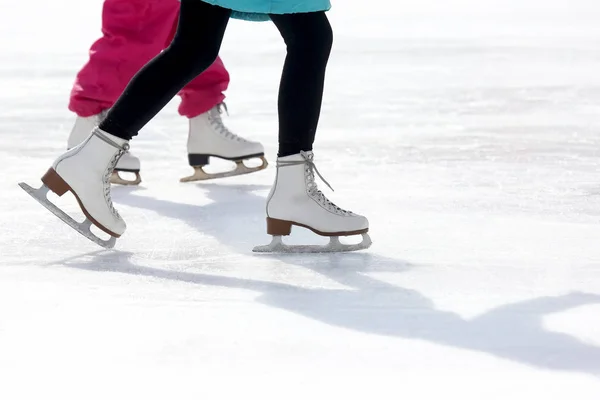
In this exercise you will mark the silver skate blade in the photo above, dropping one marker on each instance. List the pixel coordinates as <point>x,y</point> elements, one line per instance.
<point>240,169</point>
<point>334,246</point>
<point>115,178</point>
<point>41,195</point>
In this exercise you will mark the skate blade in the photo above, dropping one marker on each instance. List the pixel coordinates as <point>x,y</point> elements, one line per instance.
<point>41,195</point>
<point>334,246</point>
<point>116,179</point>
<point>241,169</point>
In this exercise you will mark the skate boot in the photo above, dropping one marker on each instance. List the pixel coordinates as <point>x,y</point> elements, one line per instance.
<point>209,137</point>
<point>127,163</point>
<point>296,200</point>
<point>85,171</point>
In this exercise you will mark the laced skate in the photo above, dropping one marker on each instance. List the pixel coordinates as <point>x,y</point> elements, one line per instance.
<point>296,200</point>
<point>128,162</point>
<point>209,137</point>
<point>85,171</point>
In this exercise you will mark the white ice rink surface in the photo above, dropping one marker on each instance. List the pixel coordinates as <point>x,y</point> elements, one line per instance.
<point>467,131</point>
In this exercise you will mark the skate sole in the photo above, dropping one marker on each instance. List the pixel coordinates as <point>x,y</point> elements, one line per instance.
<point>198,159</point>
<point>83,228</point>
<point>53,182</point>
<point>279,228</point>
<point>241,169</point>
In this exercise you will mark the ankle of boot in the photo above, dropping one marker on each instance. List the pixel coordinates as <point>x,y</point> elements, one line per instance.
<point>111,139</point>
<point>110,127</point>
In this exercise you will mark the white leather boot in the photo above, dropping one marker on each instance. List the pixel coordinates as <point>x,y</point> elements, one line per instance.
<point>128,162</point>
<point>209,137</point>
<point>296,200</point>
<point>85,171</point>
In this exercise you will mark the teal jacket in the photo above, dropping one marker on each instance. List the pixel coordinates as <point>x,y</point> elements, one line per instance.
<point>257,10</point>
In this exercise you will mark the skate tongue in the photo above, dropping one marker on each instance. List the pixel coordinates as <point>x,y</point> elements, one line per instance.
<point>307,159</point>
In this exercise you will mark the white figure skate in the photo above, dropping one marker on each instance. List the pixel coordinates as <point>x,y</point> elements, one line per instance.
<point>85,171</point>
<point>128,163</point>
<point>209,137</point>
<point>295,200</point>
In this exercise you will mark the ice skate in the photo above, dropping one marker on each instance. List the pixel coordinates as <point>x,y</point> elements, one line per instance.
<point>296,200</point>
<point>128,163</point>
<point>85,171</point>
<point>209,137</point>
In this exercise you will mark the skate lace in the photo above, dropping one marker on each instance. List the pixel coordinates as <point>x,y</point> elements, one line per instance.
<point>310,169</point>
<point>214,117</point>
<point>109,170</point>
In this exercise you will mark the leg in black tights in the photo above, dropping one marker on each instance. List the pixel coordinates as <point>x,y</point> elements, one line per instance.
<point>194,48</point>
<point>309,39</point>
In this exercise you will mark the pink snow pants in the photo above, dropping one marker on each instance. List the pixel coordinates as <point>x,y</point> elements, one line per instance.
<point>134,32</point>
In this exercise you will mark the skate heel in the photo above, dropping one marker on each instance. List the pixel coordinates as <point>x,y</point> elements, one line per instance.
<point>55,182</point>
<point>278,227</point>
<point>198,160</point>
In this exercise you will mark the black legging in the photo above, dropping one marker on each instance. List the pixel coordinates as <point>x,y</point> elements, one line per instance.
<point>195,47</point>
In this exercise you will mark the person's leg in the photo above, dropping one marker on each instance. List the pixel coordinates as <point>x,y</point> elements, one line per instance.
<point>295,198</point>
<point>206,91</point>
<point>133,32</point>
<point>309,39</point>
<point>202,102</point>
<point>194,48</point>
<point>85,170</point>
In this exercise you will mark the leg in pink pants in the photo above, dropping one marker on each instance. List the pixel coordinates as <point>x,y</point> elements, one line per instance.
<point>134,32</point>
